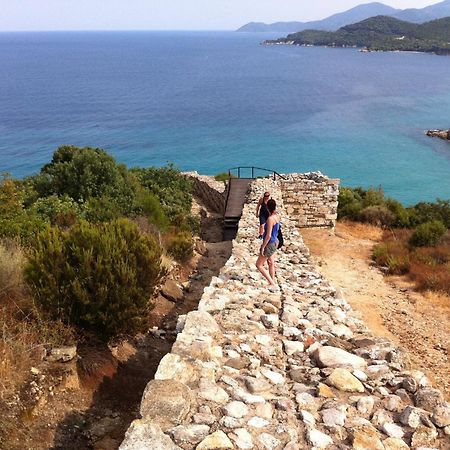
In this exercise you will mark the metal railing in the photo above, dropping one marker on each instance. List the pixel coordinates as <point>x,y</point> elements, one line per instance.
<point>253,169</point>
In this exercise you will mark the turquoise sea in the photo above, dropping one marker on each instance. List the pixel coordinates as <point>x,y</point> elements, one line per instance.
<point>208,101</point>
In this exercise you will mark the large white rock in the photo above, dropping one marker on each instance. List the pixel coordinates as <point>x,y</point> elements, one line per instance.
<point>216,441</point>
<point>335,357</point>
<point>318,439</point>
<point>144,435</point>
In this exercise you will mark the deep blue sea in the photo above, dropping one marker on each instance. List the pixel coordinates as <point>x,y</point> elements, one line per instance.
<point>208,101</point>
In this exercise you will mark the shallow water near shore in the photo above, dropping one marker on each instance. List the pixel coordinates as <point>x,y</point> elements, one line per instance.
<point>208,101</point>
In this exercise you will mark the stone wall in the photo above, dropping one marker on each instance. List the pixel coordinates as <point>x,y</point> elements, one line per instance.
<point>213,193</point>
<point>290,370</point>
<point>311,199</point>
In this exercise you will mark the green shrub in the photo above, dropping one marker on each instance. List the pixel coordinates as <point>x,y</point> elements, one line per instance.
<point>173,189</point>
<point>428,234</point>
<point>98,277</point>
<point>223,176</point>
<point>151,207</point>
<point>350,204</point>
<point>377,215</point>
<point>181,246</point>
<point>85,173</point>
<point>16,222</point>
<point>56,209</point>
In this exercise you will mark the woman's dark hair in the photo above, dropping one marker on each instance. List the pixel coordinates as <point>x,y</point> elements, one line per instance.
<point>271,205</point>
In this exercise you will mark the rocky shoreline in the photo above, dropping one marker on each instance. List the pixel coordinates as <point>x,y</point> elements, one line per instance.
<point>443,134</point>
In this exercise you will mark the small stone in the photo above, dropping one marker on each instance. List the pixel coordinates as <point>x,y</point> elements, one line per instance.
<point>258,422</point>
<point>318,439</point>
<point>423,437</point>
<point>206,419</point>
<point>428,399</point>
<point>235,409</point>
<point>264,410</point>
<point>230,422</point>
<point>380,417</point>
<point>190,434</point>
<point>393,403</point>
<point>392,430</point>
<point>171,291</point>
<point>238,363</point>
<point>263,339</point>
<point>343,380</point>
<point>395,444</point>
<point>365,405</point>
<point>308,418</point>
<point>333,417</point>
<point>268,442</point>
<point>305,400</point>
<point>293,347</point>
<point>270,320</point>
<point>441,416</point>
<point>324,391</point>
<point>216,441</point>
<point>257,385</point>
<point>334,357</point>
<point>360,375</point>
<point>243,439</point>
<point>274,377</point>
<point>213,393</point>
<point>366,438</point>
<point>411,417</point>
<point>62,354</point>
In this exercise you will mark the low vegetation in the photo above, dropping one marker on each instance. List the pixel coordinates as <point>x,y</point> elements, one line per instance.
<point>416,240</point>
<point>83,244</point>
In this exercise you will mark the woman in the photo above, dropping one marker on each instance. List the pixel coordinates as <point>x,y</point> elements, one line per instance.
<point>269,246</point>
<point>262,212</point>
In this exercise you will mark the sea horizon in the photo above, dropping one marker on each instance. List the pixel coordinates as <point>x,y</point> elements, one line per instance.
<point>209,100</point>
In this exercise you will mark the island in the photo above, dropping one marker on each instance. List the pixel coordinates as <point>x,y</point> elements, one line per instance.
<point>380,33</point>
<point>443,134</point>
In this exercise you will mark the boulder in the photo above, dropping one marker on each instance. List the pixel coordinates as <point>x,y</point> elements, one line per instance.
<point>343,380</point>
<point>144,435</point>
<point>172,291</point>
<point>335,357</point>
<point>166,403</point>
<point>62,354</point>
<point>216,441</point>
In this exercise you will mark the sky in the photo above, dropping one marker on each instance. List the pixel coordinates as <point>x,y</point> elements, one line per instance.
<point>34,15</point>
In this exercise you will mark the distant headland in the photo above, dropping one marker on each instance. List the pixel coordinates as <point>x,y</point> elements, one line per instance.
<point>381,33</point>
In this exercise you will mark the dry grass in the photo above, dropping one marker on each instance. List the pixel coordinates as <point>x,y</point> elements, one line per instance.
<point>23,332</point>
<point>428,267</point>
<point>360,230</point>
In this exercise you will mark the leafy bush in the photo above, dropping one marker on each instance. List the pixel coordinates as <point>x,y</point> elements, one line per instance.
<point>428,234</point>
<point>350,203</point>
<point>99,277</point>
<point>16,222</point>
<point>181,246</point>
<point>152,209</point>
<point>58,210</point>
<point>427,212</point>
<point>86,173</point>
<point>173,190</point>
<point>377,215</point>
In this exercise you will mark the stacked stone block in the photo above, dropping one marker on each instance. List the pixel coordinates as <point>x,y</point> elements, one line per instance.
<point>311,199</point>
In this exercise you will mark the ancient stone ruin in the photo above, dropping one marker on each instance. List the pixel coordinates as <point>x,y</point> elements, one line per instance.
<point>291,370</point>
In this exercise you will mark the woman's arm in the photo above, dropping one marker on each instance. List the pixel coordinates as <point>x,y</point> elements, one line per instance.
<point>258,206</point>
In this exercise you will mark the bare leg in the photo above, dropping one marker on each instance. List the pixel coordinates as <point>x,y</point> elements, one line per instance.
<point>260,266</point>
<point>271,263</point>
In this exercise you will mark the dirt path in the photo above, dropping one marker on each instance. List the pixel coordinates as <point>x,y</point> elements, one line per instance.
<point>420,323</point>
